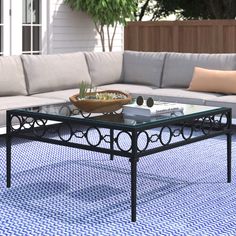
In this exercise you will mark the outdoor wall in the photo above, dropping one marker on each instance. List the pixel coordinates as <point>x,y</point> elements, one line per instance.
<point>200,36</point>
<point>70,31</point>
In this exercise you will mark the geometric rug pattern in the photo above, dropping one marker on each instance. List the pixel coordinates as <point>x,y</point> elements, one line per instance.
<point>65,191</point>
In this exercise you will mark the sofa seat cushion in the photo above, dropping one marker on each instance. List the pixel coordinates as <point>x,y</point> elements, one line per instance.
<point>2,119</point>
<point>47,73</point>
<point>164,94</point>
<point>12,79</point>
<point>179,95</point>
<point>13,102</point>
<point>130,88</point>
<point>61,94</point>
<point>178,68</point>
<point>143,67</point>
<point>105,67</point>
<point>224,101</point>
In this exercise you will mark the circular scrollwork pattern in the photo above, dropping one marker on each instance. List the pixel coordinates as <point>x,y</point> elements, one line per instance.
<point>93,136</point>
<point>40,122</point>
<point>223,121</point>
<point>27,122</point>
<point>122,145</point>
<point>65,132</point>
<point>65,110</point>
<point>16,123</point>
<point>165,135</point>
<point>206,125</point>
<point>186,132</point>
<point>145,141</point>
<point>39,127</point>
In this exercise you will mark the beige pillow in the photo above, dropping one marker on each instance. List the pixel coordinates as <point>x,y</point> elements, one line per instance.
<point>218,81</point>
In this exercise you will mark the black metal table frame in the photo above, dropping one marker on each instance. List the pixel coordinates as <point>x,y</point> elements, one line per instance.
<point>208,124</point>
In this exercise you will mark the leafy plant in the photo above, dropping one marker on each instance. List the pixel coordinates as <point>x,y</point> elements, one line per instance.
<point>83,88</point>
<point>106,14</point>
<point>109,96</point>
<point>86,88</point>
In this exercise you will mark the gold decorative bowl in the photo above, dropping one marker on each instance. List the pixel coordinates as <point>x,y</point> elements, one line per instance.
<point>98,105</point>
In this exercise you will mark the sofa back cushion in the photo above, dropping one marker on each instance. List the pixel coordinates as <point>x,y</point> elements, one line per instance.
<point>179,67</point>
<point>47,73</point>
<point>143,67</point>
<point>12,79</point>
<point>105,67</point>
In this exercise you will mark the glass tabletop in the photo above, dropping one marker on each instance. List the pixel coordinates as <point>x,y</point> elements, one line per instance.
<point>69,111</point>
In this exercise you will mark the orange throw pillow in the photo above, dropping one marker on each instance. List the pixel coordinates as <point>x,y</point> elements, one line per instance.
<point>218,81</point>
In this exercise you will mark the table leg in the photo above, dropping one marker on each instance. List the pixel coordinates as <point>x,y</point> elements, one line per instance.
<point>229,145</point>
<point>8,151</point>
<point>133,188</point>
<point>111,143</point>
<point>134,161</point>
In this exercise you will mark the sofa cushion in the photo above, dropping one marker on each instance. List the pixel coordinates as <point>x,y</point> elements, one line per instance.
<point>178,67</point>
<point>61,94</point>
<point>46,73</point>
<point>105,67</point>
<point>164,94</point>
<point>130,88</point>
<point>143,67</point>
<point>224,101</point>
<point>2,119</point>
<point>216,81</point>
<point>178,95</point>
<point>12,79</point>
<point>14,102</point>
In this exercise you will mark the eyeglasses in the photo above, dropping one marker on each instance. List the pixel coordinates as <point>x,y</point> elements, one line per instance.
<point>149,101</point>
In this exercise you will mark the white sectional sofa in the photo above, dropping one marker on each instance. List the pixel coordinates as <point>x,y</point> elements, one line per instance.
<point>30,80</point>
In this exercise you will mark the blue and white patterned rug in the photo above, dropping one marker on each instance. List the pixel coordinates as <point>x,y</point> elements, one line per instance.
<point>64,191</point>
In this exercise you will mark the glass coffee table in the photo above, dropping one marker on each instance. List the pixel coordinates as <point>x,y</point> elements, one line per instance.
<point>63,124</point>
